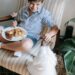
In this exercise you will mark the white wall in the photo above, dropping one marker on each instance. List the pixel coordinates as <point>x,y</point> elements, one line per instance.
<point>69,12</point>
<point>8,6</point>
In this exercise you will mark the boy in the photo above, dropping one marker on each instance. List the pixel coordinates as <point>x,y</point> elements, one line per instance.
<point>32,18</point>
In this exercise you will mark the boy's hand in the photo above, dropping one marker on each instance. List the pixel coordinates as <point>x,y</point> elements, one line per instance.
<point>47,37</point>
<point>14,14</point>
<point>14,23</point>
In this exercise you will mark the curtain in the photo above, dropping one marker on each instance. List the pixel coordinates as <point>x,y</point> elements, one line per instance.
<point>56,7</point>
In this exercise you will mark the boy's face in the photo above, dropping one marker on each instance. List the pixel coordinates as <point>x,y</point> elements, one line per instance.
<point>34,6</point>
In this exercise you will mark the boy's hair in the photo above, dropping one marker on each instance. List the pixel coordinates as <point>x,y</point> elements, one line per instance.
<point>35,0</point>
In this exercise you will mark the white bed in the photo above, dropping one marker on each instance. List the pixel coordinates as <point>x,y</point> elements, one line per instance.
<point>40,61</point>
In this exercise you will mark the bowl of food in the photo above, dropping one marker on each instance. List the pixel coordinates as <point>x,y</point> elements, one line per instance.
<point>14,33</point>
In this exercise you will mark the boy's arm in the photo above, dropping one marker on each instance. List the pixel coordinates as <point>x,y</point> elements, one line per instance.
<point>53,31</point>
<point>14,16</point>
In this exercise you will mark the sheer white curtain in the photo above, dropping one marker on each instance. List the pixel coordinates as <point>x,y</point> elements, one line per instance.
<point>56,7</point>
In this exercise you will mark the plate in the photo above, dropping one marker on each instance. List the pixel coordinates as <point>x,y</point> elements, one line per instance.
<point>14,38</point>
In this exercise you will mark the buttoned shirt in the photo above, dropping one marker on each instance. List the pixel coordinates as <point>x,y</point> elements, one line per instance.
<point>34,23</point>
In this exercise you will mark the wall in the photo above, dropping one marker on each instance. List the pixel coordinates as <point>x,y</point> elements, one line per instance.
<point>8,6</point>
<point>69,12</point>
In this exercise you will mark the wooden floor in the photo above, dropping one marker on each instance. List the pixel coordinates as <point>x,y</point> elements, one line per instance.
<point>60,66</point>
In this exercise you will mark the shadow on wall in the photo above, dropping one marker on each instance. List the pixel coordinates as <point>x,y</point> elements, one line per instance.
<point>69,12</point>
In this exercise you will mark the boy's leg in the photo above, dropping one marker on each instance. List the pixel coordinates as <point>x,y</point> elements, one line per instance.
<point>15,46</point>
<point>18,46</point>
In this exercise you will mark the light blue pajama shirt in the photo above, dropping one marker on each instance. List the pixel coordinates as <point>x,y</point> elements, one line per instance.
<point>34,23</point>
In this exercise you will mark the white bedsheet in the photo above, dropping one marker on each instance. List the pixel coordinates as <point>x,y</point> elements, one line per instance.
<point>44,63</point>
